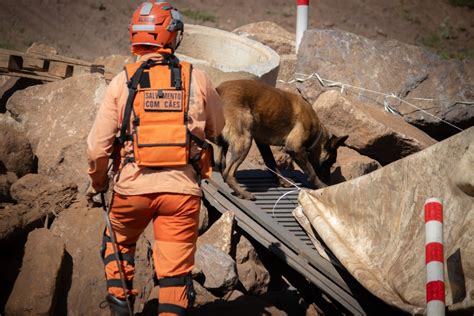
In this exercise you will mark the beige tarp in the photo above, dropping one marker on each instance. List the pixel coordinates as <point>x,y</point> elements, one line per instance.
<point>375,224</point>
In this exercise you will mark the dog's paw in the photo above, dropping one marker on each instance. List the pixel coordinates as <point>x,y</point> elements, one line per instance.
<point>284,183</point>
<point>321,185</point>
<point>248,196</point>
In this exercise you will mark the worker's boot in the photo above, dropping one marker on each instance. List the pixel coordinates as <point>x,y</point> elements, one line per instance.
<point>119,307</point>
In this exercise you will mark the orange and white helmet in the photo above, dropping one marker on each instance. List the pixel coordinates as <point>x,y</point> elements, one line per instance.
<point>156,23</point>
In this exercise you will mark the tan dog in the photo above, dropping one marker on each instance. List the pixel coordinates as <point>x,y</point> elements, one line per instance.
<point>254,110</point>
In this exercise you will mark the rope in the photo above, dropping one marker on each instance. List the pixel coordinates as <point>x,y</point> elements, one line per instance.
<point>300,77</point>
<point>276,203</point>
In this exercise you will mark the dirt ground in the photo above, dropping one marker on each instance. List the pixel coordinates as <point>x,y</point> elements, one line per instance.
<point>90,28</point>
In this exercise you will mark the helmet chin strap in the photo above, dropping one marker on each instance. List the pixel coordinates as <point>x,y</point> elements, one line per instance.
<point>179,38</point>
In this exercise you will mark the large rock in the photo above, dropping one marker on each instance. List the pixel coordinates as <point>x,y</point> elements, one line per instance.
<point>203,219</point>
<point>286,74</point>
<point>113,64</point>
<point>42,191</point>
<point>203,296</point>
<point>41,49</point>
<point>463,179</point>
<point>287,68</point>
<point>57,118</point>
<point>9,85</point>
<point>218,268</point>
<point>252,274</point>
<point>281,41</point>
<point>392,67</point>
<point>16,154</point>
<point>81,230</point>
<point>372,132</point>
<point>12,224</point>
<point>6,181</point>
<point>220,233</point>
<point>6,90</point>
<point>38,198</point>
<point>374,224</point>
<point>4,189</point>
<point>39,284</point>
<point>350,165</point>
<point>270,34</point>
<point>6,82</point>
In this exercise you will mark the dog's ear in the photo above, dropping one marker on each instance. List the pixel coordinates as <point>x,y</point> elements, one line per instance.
<point>335,141</point>
<point>341,140</point>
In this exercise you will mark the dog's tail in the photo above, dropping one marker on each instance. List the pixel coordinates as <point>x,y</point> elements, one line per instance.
<point>222,147</point>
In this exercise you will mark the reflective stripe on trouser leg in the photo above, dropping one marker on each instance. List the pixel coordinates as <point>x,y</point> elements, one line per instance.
<point>126,255</point>
<point>178,283</point>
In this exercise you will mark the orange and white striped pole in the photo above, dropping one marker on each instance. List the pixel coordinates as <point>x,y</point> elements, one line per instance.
<point>301,20</point>
<point>434,258</point>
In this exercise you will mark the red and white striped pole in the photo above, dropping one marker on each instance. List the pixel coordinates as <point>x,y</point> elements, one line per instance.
<point>435,299</point>
<point>301,20</point>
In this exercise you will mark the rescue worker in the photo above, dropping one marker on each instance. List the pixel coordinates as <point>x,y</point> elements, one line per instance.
<point>162,110</point>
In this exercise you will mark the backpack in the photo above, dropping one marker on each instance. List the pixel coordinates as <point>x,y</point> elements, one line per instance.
<point>159,93</point>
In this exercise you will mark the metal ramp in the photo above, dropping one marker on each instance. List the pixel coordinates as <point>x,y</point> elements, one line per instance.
<point>273,226</point>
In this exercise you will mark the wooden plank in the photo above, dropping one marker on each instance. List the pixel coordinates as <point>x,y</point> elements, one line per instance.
<point>60,69</point>
<point>57,58</point>
<point>4,59</point>
<point>81,70</point>
<point>38,66</point>
<point>32,76</point>
<point>34,64</point>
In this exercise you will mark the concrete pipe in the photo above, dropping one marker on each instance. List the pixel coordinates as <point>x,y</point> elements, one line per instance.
<point>227,56</point>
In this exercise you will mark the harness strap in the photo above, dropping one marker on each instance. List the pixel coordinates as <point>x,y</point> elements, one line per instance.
<point>106,239</point>
<point>132,91</point>
<point>175,70</point>
<point>128,159</point>
<point>118,283</point>
<point>187,281</point>
<point>194,161</point>
<point>110,258</point>
<point>171,308</point>
<point>123,257</point>
<point>175,281</point>
<point>201,143</point>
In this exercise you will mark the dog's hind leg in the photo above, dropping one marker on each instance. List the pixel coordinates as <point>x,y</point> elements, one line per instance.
<point>267,155</point>
<point>235,156</point>
<point>222,147</point>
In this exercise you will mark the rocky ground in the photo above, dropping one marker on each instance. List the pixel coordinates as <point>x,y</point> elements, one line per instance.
<point>42,211</point>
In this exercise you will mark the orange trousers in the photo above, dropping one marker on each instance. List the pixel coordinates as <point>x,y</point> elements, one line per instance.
<point>175,221</point>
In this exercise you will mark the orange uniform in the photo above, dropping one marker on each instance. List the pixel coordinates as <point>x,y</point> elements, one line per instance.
<point>170,197</point>
<point>206,120</point>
